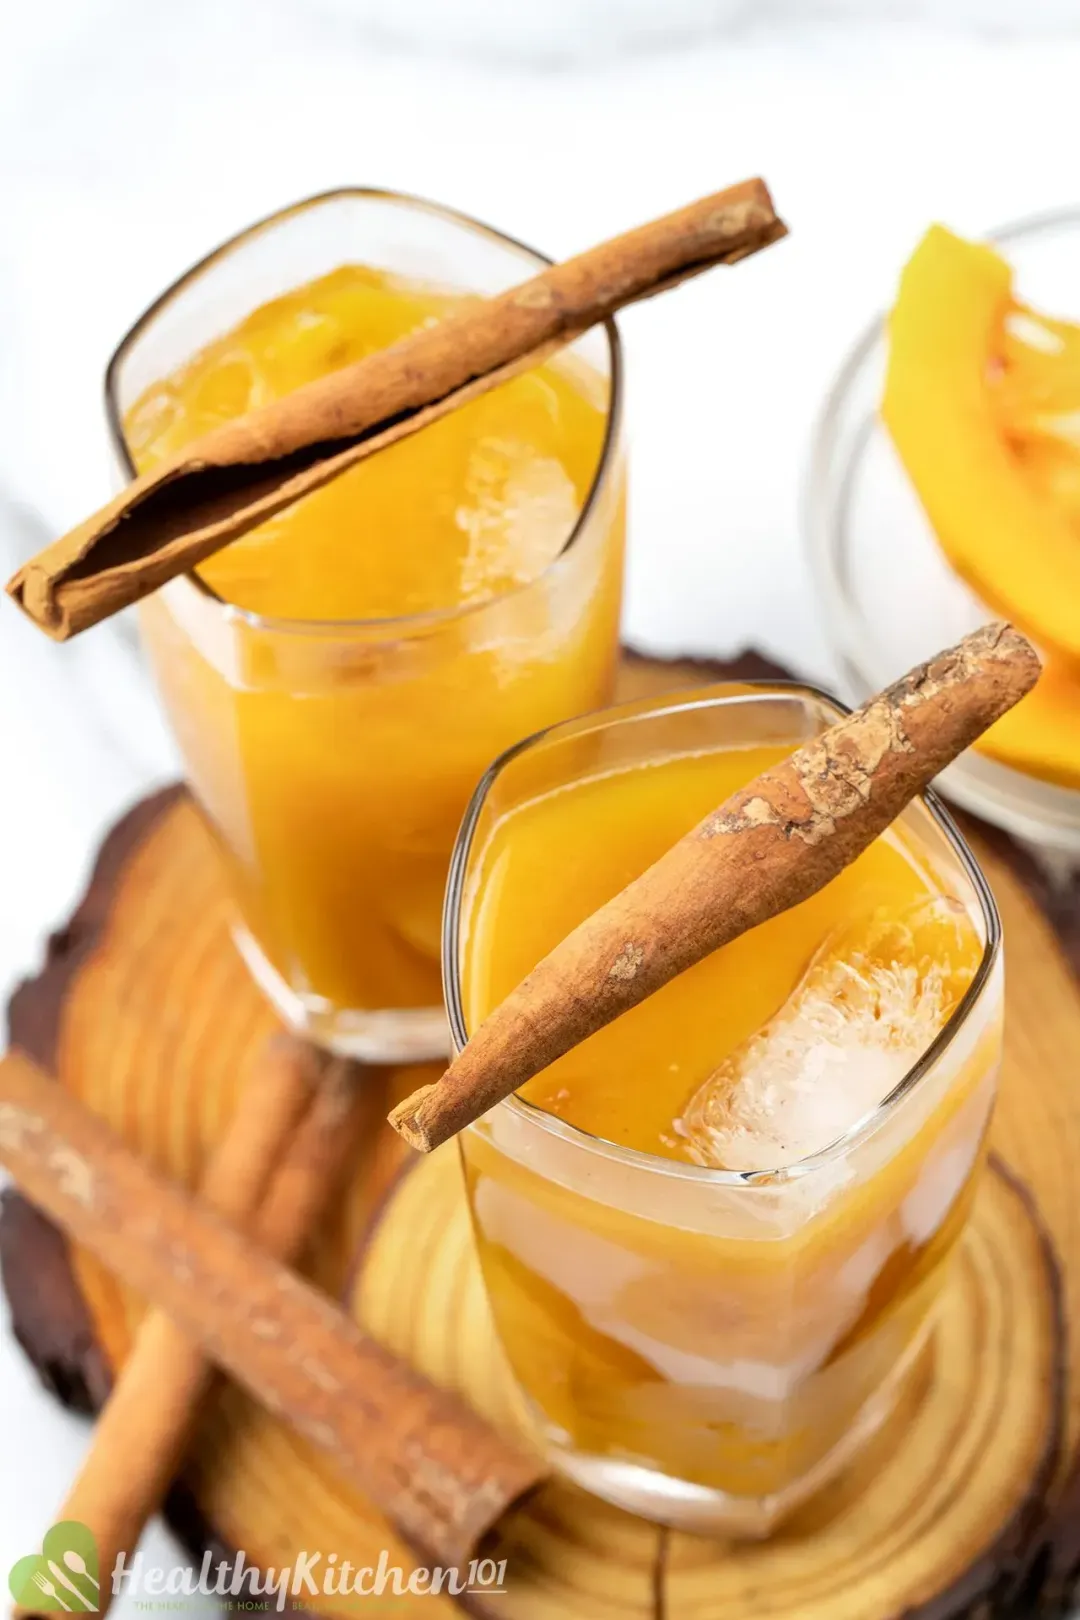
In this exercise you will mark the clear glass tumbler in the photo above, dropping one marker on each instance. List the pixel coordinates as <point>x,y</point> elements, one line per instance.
<point>707,1347</point>
<point>334,759</point>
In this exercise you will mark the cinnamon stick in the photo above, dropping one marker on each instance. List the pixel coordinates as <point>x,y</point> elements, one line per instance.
<point>439,1472</point>
<point>324,1154</point>
<point>775,842</point>
<point>226,483</point>
<point>281,1159</point>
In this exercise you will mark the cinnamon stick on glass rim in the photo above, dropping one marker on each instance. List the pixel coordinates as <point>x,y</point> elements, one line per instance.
<point>226,483</point>
<point>277,1168</point>
<point>774,843</point>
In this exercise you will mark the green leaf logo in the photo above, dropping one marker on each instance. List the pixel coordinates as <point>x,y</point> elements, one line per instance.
<point>63,1576</point>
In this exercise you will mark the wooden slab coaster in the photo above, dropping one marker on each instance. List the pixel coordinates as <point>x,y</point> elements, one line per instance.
<point>146,1012</point>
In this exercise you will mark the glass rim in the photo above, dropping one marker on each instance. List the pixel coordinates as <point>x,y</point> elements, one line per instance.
<point>667,704</point>
<point>401,623</point>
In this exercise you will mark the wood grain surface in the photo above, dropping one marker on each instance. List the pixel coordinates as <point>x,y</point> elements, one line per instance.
<point>146,1012</point>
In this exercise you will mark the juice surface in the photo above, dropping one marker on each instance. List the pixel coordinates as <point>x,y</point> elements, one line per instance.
<point>335,760</point>
<point>477,503</point>
<point>554,859</point>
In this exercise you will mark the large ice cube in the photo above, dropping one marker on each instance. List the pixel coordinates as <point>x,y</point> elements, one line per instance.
<point>872,999</point>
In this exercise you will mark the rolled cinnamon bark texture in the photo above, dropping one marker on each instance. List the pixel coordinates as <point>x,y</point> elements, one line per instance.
<point>441,1474</point>
<point>774,843</point>
<point>277,1168</point>
<point>231,480</point>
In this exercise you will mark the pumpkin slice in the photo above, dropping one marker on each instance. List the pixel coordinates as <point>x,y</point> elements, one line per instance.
<point>1041,736</point>
<point>951,340</point>
<point>982,400</point>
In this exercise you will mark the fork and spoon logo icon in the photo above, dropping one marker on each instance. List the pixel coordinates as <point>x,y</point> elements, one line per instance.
<point>63,1576</point>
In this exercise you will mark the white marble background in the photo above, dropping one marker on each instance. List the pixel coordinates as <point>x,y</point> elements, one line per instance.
<point>134,134</point>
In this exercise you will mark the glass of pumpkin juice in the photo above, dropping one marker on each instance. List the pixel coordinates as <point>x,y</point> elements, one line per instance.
<point>339,678</point>
<point>713,1234</point>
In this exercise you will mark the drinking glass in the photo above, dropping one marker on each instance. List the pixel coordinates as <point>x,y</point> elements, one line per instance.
<point>706,1347</point>
<point>333,760</point>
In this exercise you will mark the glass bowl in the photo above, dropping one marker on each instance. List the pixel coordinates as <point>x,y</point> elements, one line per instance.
<point>888,594</point>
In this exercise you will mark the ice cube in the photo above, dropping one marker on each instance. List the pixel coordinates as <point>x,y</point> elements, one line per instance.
<point>872,999</point>
<point>518,509</point>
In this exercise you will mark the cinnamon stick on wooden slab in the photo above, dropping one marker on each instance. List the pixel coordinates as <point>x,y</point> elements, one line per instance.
<point>441,1474</point>
<point>280,1163</point>
<point>223,485</point>
<point>774,843</point>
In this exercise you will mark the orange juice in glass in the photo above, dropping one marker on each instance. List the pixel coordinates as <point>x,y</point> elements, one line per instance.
<point>714,1233</point>
<point>339,679</point>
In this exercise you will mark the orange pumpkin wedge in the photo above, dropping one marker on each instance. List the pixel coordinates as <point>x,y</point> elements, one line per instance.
<point>982,401</point>
<point>1041,736</point>
<point>998,522</point>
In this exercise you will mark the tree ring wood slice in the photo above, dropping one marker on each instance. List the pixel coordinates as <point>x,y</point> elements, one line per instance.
<point>939,1506</point>
<point>145,1011</point>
